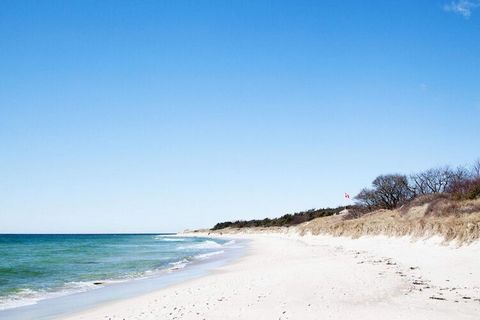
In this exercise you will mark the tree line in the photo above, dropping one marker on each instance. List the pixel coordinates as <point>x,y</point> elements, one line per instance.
<point>285,220</point>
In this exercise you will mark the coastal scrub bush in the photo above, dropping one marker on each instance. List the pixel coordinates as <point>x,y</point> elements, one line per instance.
<point>465,189</point>
<point>475,171</point>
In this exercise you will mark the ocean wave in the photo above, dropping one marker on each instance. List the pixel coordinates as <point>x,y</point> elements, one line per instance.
<point>230,243</point>
<point>186,261</point>
<point>179,264</point>
<point>170,238</point>
<point>203,256</point>
<point>23,297</point>
<point>26,296</point>
<point>207,244</point>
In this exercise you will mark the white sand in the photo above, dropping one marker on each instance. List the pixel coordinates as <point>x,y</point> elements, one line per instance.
<point>290,277</point>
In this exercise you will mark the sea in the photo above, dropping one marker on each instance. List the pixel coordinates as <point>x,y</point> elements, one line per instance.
<point>34,268</point>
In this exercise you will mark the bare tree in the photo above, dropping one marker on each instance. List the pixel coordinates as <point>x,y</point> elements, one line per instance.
<point>437,180</point>
<point>431,181</point>
<point>387,193</point>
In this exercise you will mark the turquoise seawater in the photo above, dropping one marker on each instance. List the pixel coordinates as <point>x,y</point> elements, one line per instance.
<point>35,267</point>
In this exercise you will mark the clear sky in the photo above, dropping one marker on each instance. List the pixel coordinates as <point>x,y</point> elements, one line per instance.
<point>135,116</point>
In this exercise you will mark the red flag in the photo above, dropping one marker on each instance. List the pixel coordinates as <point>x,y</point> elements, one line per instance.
<point>347,196</point>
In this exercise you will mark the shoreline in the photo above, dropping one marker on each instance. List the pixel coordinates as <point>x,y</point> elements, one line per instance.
<point>286,276</point>
<point>63,304</point>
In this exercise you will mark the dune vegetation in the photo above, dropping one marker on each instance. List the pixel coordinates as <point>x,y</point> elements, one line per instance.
<point>439,201</point>
<point>461,224</point>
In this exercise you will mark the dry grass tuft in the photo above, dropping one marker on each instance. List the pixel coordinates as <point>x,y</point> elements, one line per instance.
<point>452,220</point>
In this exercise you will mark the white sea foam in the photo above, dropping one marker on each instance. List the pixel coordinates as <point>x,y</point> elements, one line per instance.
<point>203,256</point>
<point>25,297</point>
<point>18,300</point>
<point>179,264</point>
<point>208,244</point>
<point>229,243</point>
<point>170,238</point>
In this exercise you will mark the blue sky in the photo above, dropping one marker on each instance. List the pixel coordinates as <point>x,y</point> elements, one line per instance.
<point>137,116</point>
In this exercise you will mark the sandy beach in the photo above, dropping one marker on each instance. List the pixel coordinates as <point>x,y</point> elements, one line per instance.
<point>285,276</point>
<point>247,160</point>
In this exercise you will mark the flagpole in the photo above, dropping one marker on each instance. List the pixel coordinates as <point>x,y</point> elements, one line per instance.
<point>347,197</point>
